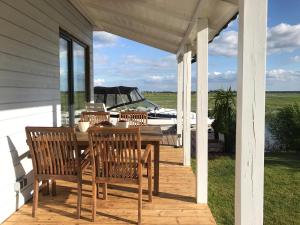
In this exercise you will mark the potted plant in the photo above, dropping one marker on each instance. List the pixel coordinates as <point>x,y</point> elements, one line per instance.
<point>83,126</point>
<point>123,124</point>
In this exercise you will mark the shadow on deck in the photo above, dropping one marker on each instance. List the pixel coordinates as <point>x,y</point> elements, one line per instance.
<point>174,205</point>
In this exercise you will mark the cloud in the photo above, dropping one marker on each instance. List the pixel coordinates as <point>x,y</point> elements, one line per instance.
<point>225,44</point>
<point>282,75</point>
<point>227,76</point>
<point>296,58</point>
<point>104,39</point>
<point>275,74</point>
<point>168,61</point>
<point>283,38</point>
<point>100,59</point>
<point>280,38</point>
<point>99,82</point>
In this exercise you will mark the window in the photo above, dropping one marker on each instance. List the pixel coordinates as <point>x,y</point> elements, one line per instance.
<point>74,77</point>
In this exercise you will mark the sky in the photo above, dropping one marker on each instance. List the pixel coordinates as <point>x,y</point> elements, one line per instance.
<point>119,61</point>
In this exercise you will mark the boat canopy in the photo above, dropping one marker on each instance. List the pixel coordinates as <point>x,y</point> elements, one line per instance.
<point>114,97</point>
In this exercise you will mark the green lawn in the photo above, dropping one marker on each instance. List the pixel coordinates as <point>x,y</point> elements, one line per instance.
<point>281,194</point>
<point>282,172</point>
<point>273,100</point>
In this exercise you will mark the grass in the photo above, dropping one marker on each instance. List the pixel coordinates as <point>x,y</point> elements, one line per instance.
<point>281,194</point>
<point>282,172</point>
<point>274,101</point>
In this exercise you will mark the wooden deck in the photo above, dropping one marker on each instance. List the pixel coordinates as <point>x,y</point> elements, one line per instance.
<point>174,205</point>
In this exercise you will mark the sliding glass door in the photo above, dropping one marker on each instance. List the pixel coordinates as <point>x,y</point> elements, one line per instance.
<point>74,91</point>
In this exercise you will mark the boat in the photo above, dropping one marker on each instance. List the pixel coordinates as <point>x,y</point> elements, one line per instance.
<point>120,98</point>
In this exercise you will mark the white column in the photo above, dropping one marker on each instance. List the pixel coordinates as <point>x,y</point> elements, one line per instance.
<point>187,106</point>
<point>249,173</point>
<point>179,100</point>
<point>202,111</point>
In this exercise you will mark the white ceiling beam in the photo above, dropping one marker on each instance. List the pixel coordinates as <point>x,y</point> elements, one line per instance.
<point>120,14</point>
<point>191,26</point>
<point>141,38</point>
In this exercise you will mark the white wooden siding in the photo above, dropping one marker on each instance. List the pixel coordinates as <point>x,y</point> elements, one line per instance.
<point>29,81</point>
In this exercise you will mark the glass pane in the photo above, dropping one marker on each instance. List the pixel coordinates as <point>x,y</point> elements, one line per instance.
<point>79,80</point>
<point>64,94</point>
<point>99,98</point>
<point>110,100</point>
<point>122,99</point>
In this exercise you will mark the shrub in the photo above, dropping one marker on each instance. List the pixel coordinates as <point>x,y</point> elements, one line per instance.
<point>285,127</point>
<point>224,113</point>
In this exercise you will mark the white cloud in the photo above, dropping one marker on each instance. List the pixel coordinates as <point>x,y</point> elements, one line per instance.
<point>281,38</point>
<point>227,76</point>
<point>282,75</point>
<point>155,77</point>
<point>296,58</point>
<point>162,77</point>
<point>168,61</point>
<point>104,39</point>
<point>100,59</point>
<point>225,44</point>
<point>272,75</point>
<point>99,82</point>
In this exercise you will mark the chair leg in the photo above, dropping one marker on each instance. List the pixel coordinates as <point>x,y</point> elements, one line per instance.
<point>104,191</point>
<point>35,196</point>
<point>140,203</point>
<point>53,187</point>
<point>149,173</point>
<point>45,187</point>
<point>79,198</point>
<point>98,190</point>
<point>94,201</point>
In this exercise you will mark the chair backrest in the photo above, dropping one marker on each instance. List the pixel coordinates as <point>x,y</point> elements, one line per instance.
<point>134,118</point>
<point>95,117</point>
<point>54,151</point>
<point>95,107</point>
<point>115,153</point>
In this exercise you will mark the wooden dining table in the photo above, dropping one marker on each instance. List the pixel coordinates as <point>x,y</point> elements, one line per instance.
<point>149,135</point>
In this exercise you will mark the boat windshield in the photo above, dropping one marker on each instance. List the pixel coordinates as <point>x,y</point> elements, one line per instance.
<point>122,98</point>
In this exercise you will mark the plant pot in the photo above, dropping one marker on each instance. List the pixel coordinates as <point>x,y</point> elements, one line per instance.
<point>83,126</point>
<point>123,124</point>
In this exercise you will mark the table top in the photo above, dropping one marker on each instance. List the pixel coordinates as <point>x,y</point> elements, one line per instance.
<point>148,134</point>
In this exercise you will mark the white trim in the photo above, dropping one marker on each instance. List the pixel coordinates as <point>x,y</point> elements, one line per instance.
<point>187,106</point>
<point>202,111</point>
<point>249,177</point>
<point>179,101</point>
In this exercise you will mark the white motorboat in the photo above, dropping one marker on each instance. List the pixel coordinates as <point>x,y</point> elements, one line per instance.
<point>121,98</point>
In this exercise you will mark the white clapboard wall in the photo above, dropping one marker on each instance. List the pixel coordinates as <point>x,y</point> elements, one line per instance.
<point>29,82</point>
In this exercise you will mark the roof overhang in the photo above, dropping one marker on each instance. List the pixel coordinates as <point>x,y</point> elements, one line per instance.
<point>164,24</point>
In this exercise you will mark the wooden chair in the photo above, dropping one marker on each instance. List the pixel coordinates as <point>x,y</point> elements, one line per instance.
<point>55,156</point>
<point>117,158</point>
<point>134,118</point>
<point>95,117</point>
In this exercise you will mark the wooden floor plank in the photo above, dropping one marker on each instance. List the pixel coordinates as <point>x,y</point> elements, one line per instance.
<point>174,205</point>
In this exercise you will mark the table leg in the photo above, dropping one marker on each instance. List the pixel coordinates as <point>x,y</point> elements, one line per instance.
<point>156,168</point>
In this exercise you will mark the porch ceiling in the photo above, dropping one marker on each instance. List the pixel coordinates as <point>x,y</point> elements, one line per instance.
<point>166,25</point>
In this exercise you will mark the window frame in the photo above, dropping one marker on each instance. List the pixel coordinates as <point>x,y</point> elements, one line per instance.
<point>70,40</point>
